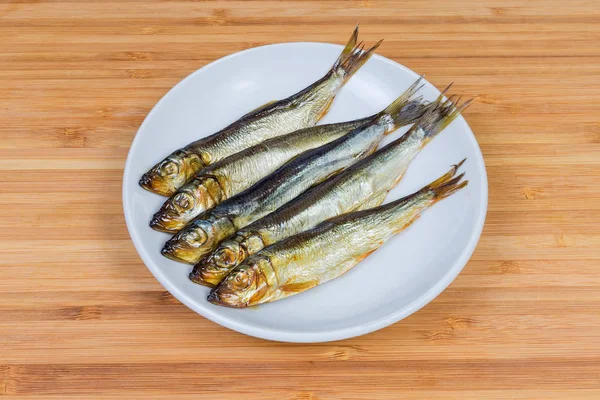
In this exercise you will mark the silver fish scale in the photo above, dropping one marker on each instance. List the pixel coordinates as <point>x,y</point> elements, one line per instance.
<point>262,159</point>
<point>300,174</point>
<point>334,247</point>
<point>365,183</point>
<point>282,117</point>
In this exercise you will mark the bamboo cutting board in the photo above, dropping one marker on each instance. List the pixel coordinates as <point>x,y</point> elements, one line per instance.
<point>82,318</point>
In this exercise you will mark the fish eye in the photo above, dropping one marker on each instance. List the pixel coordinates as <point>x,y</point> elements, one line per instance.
<point>170,168</point>
<point>196,237</point>
<point>243,279</point>
<point>224,257</point>
<point>182,202</point>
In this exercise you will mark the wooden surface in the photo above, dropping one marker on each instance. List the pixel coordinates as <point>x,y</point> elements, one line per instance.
<point>80,315</point>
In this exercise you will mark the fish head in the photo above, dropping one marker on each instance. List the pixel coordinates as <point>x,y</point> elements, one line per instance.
<point>247,285</point>
<point>176,212</point>
<point>191,243</point>
<point>217,265</point>
<point>171,173</point>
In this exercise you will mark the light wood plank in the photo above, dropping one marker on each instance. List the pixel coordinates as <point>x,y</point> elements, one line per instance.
<point>82,318</point>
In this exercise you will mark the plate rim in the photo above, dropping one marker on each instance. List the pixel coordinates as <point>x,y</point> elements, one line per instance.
<point>282,335</point>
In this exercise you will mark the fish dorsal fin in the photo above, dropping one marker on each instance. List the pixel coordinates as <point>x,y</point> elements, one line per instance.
<point>259,108</point>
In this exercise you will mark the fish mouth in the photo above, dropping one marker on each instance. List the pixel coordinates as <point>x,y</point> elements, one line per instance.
<point>173,252</point>
<point>196,276</point>
<point>162,223</point>
<point>216,299</point>
<point>155,184</point>
<point>208,273</point>
<point>181,251</point>
<point>145,181</point>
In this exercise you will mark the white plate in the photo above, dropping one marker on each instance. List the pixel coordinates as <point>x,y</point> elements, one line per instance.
<point>406,273</point>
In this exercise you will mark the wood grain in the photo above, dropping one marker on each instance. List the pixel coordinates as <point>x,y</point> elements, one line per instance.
<point>82,318</point>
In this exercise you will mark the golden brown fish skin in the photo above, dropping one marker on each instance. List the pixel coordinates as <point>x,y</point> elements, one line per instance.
<point>229,254</point>
<point>285,184</point>
<point>298,111</point>
<point>363,185</point>
<point>310,168</point>
<point>327,251</point>
<point>239,171</point>
<point>201,194</point>
<point>207,232</point>
<point>172,172</point>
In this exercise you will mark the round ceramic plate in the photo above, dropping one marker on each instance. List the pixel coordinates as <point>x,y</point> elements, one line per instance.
<point>406,273</point>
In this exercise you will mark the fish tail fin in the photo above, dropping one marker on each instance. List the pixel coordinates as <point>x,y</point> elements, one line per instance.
<point>403,212</point>
<point>404,110</point>
<point>353,56</point>
<point>447,184</point>
<point>440,114</point>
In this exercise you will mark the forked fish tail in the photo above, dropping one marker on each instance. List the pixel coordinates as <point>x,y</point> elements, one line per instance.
<point>353,56</point>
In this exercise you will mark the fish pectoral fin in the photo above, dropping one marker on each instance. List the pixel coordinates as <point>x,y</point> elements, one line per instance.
<point>299,287</point>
